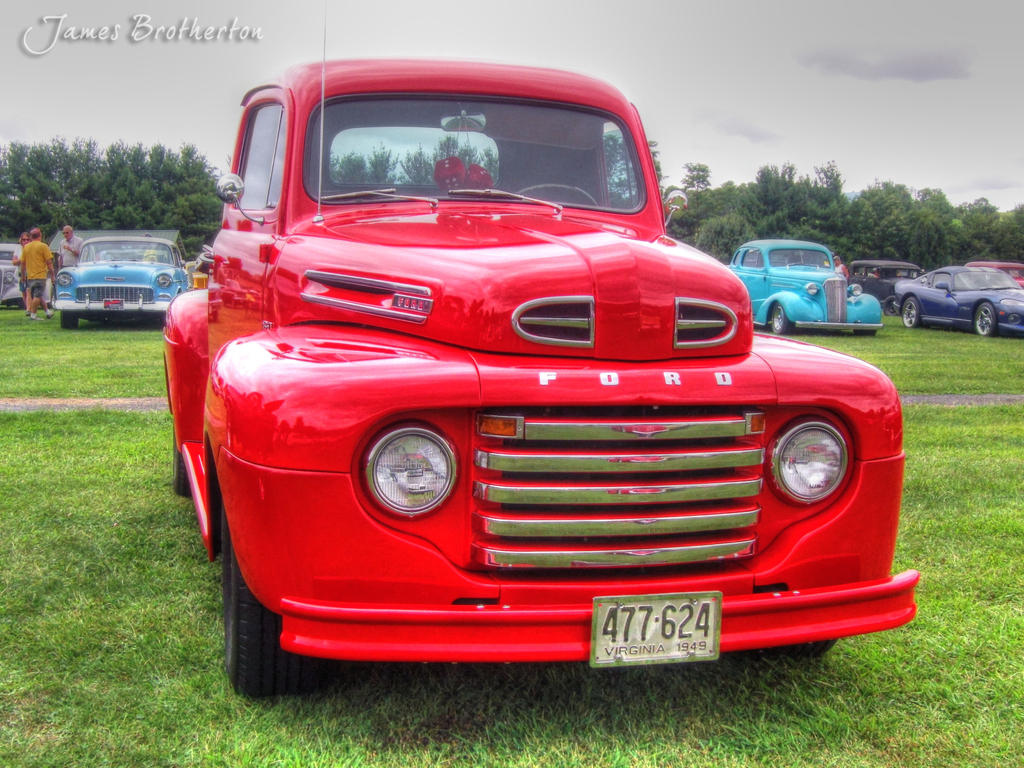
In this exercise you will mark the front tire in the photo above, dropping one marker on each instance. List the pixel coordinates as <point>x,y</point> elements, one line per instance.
<point>985,322</point>
<point>68,320</point>
<point>911,313</point>
<point>255,663</point>
<point>780,324</point>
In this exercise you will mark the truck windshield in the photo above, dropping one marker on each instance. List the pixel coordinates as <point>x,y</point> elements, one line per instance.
<point>430,146</point>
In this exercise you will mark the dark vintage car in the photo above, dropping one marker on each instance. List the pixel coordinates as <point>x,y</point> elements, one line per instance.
<point>1014,269</point>
<point>878,278</point>
<point>984,300</point>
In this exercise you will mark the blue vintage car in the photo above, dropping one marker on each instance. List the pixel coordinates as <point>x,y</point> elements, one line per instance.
<point>120,277</point>
<point>987,301</point>
<point>794,284</point>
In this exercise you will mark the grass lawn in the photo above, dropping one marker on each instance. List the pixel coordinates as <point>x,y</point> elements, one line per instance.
<point>929,361</point>
<point>41,359</point>
<point>111,639</point>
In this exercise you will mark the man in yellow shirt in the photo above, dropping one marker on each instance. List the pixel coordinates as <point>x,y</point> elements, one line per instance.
<point>38,265</point>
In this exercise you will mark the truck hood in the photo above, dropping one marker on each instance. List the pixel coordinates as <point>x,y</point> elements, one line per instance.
<point>529,284</point>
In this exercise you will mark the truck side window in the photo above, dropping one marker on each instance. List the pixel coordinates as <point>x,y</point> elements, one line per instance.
<point>263,158</point>
<point>623,186</point>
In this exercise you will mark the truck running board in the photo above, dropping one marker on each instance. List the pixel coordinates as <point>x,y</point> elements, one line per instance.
<point>194,457</point>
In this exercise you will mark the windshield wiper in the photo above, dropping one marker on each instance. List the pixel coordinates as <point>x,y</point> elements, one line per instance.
<point>502,194</point>
<point>387,194</point>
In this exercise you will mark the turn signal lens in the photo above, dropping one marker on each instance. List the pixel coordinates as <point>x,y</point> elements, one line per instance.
<point>809,461</point>
<point>490,425</point>
<point>410,471</point>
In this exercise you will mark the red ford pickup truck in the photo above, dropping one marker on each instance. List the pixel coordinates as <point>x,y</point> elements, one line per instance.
<point>452,394</point>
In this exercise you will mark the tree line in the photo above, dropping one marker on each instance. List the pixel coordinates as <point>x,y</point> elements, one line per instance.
<point>123,186</point>
<point>885,221</point>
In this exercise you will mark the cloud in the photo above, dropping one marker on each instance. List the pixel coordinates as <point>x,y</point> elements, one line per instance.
<point>738,126</point>
<point>917,67</point>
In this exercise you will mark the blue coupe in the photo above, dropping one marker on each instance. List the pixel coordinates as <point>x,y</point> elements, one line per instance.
<point>981,299</point>
<point>120,277</point>
<point>793,283</point>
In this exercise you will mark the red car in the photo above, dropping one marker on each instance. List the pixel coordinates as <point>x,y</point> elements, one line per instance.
<point>453,395</point>
<point>1014,269</point>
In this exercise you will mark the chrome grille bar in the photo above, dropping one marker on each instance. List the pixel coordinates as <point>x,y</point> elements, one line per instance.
<point>615,494</point>
<point>618,462</point>
<point>614,558</point>
<point>639,429</point>
<point>578,527</point>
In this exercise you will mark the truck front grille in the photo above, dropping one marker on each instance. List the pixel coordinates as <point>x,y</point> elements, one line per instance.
<point>835,299</point>
<point>127,293</point>
<point>591,489</point>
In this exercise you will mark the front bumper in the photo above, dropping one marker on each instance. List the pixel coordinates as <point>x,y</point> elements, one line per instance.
<point>490,633</point>
<point>98,308</point>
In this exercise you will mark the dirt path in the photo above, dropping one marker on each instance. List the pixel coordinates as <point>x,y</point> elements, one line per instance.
<point>83,403</point>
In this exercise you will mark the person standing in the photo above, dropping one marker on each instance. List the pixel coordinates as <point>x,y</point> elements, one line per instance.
<point>70,248</point>
<point>38,265</point>
<point>22,283</point>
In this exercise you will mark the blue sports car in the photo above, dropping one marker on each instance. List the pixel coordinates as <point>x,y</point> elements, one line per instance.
<point>120,277</point>
<point>984,300</point>
<point>793,283</point>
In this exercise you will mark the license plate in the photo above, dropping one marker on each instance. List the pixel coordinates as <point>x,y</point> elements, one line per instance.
<point>113,304</point>
<point>655,629</point>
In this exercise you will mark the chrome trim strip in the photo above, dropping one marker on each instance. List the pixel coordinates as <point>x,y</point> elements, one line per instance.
<point>618,463</point>
<point>615,494</point>
<point>636,430</point>
<point>355,306</point>
<point>686,325</point>
<point>368,284</point>
<point>563,322</point>
<point>546,527</point>
<point>639,557</point>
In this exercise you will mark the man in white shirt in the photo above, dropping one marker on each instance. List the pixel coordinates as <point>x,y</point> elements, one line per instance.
<point>70,248</point>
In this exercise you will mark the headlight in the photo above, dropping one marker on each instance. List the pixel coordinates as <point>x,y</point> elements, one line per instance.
<point>1012,305</point>
<point>8,277</point>
<point>809,461</point>
<point>164,280</point>
<point>812,289</point>
<point>856,290</point>
<point>64,279</point>
<point>410,470</point>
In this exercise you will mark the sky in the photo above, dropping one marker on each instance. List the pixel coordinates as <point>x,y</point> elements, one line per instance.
<point>922,93</point>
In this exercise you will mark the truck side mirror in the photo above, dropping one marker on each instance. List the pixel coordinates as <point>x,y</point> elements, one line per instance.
<point>230,189</point>
<point>674,200</point>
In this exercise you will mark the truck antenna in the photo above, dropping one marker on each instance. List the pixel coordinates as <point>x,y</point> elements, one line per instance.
<point>318,219</point>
